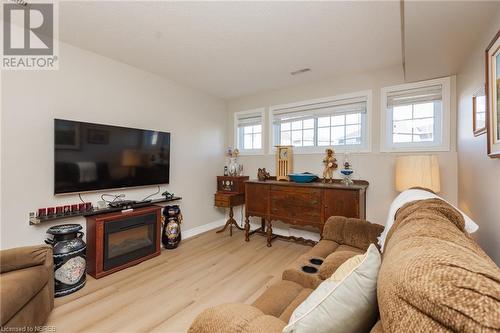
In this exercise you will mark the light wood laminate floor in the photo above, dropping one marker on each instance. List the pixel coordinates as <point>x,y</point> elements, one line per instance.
<point>164,294</point>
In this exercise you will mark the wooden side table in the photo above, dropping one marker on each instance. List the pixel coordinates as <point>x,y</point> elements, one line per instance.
<point>229,200</point>
<point>230,193</point>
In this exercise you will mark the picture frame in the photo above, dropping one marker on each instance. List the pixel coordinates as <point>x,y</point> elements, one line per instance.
<point>492,93</point>
<point>97,136</point>
<point>479,111</point>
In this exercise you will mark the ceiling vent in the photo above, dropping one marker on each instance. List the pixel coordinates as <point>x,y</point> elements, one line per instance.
<point>300,71</point>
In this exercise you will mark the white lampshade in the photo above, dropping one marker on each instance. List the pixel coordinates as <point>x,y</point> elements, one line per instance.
<point>417,171</point>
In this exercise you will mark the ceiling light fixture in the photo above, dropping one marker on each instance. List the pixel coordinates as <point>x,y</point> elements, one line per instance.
<point>300,71</point>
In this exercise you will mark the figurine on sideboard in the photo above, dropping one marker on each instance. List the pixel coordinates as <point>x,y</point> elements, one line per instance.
<point>263,175</point>
<point>330,163</point>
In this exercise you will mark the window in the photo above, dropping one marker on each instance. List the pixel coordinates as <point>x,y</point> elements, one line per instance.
<point>416,116</point>
<point>248,131</point>
<point>341,122</point>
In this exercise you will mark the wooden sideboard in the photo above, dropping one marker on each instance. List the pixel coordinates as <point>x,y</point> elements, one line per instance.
<point>308,204</point>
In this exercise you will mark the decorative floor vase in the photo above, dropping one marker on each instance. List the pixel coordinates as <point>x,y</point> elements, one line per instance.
<point>171,233</point>
<point>69,258</point>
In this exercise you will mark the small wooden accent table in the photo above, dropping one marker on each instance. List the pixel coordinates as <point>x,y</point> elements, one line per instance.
<point>230,193</point>
<point>309,204</point>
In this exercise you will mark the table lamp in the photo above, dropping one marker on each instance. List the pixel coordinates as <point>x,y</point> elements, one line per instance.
<point>417,171</point>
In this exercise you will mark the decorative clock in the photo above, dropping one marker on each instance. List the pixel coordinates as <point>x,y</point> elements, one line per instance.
<point>284,156</point>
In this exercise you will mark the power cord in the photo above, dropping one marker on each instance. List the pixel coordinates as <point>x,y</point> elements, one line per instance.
<point>115,197</point>
<point>151,195</point>
<point>80,196</point>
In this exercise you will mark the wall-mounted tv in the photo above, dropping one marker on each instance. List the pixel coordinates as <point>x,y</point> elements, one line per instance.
<point>90,157</point>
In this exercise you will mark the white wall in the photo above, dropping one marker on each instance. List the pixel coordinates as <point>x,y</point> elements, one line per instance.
<point>92,88</point>
<point>478,175</point>
<point>375,167</point>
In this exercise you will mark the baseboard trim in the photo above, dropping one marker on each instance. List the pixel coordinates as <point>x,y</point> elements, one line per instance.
<point>202,228</point>
<point>277,230</point>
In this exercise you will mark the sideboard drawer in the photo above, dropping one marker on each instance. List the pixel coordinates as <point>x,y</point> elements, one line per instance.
<point>301,205</point>
<point>229,199</point>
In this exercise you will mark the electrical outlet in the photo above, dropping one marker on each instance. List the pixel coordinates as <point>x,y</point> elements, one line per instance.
<point>33,219</point>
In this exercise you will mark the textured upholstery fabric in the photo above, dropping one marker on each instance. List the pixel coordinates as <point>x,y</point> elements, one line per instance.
<point>277,297</point>
<point>323,249</point>
<point>301,297</point>
<point>335,259</point>
<point>27,286</point>
<point>235,318</point>
<point>434,277</point>
<point>23,257</point>
<point>377,328</point>
<point>18,287</point>
<point>349,231</point>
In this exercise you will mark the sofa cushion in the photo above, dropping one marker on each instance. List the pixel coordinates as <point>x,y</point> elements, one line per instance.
<point>322,249</point>
<point>235,318</point>
<point>337,258</point>
<point>350,231</point>
<point>433,276</point>
<point>19,287</point>
<point>301,297</point>
<point>277,297</point>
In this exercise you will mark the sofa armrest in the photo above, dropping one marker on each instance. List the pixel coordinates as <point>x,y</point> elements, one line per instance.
<point>235,318</point>
<point>350,231</point>
<point>24,257</point>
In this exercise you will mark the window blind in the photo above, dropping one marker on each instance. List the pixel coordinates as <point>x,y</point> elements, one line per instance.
<point>341,106</point>
<point>249,119</point>
<point>414,96</point>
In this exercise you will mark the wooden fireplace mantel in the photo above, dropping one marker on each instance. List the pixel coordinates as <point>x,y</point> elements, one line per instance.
<point>95,239</point>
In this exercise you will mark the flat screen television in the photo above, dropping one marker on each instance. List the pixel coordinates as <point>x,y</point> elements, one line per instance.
<point>90,157</point>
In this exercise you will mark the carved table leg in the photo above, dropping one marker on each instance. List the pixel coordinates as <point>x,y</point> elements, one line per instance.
<point>269,233</point>
<point>263,224</point>
<point>247,229</point>
<point>231,214</point>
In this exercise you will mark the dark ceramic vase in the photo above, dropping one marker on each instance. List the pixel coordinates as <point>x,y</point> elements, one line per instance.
<point>69,258</point>
<point>171,233</point>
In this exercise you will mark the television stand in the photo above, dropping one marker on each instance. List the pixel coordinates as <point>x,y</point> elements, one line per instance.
<point>140,204</point>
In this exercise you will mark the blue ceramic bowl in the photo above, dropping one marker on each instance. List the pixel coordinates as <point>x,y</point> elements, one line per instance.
<point>302,177</point>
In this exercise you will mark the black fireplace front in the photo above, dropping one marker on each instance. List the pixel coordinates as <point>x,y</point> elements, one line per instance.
<point>129,239</point>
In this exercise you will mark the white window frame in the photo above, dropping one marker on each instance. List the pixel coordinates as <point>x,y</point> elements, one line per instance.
<point>443,124</point>
<point>260,151</point>
<point>366,145</point>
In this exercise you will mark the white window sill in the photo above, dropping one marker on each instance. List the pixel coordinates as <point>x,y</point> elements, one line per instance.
<point>255,152</point>
<point>321,150</point>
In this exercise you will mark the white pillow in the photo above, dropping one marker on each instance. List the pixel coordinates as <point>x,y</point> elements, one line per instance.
<point>413,195</point>
<point>345,306</point>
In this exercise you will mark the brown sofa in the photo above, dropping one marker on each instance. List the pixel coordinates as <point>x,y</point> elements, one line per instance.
<point>26,286</point>
<point>433,277</point>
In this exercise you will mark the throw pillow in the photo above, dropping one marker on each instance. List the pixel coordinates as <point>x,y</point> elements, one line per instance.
<point>346,305</point>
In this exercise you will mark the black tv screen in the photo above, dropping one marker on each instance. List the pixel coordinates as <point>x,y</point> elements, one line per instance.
<point>91,157</point>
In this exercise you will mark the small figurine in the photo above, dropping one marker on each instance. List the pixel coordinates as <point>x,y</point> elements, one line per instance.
<point>330,165</point>
<point>263,175</point>
<point>347,171</point>
<point>167,195</point>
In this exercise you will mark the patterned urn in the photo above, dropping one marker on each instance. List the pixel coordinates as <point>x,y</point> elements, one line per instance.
<point>69,258</point>
<point>171,233</point>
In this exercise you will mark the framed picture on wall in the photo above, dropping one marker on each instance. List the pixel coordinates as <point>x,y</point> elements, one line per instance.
<point>479,112</point>
<point>493,96</point>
